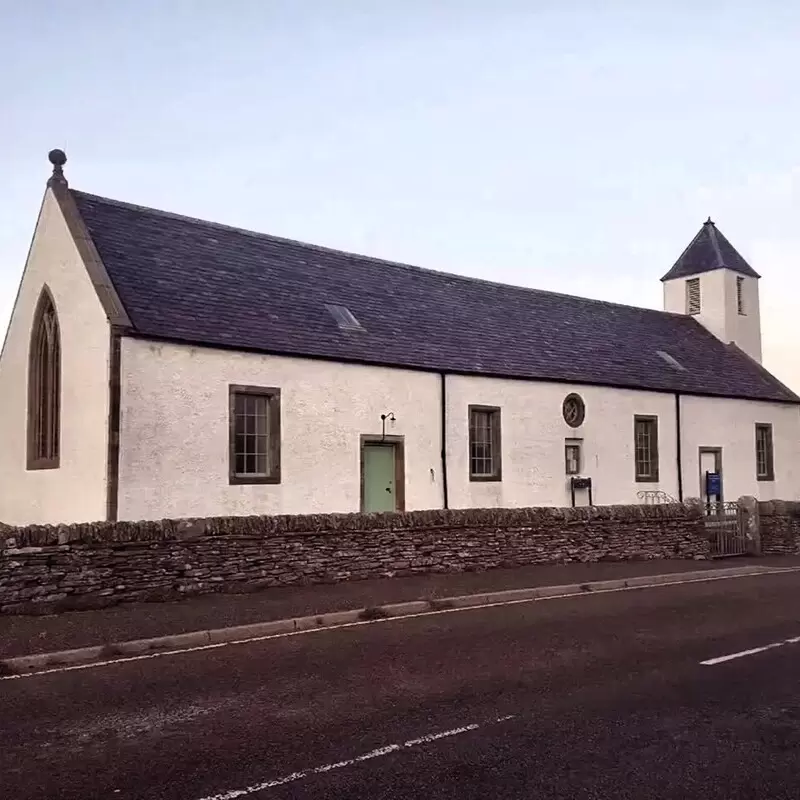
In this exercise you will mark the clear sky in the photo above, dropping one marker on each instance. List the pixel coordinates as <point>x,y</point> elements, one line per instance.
<point>576,146</point>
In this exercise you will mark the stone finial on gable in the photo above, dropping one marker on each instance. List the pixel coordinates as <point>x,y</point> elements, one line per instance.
<point>57,158</point>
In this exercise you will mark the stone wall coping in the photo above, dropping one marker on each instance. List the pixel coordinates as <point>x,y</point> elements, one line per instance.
<point>258,527</point>
<point>779,508</point>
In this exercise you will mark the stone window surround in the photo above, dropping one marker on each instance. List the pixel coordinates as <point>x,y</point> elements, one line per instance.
<point>273,396</point>
<point>493,413</point>
<point>577,446</point>
<point>44,386</point>
<point>573,409</point>
<point>651,422</point>
<point>765,461</point>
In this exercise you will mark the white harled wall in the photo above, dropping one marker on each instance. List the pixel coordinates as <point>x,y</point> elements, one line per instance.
<point>533,434</point>
<point>179,395</point>
<point>76,491</point>
<point>174,432</point>
<point>730,424</point>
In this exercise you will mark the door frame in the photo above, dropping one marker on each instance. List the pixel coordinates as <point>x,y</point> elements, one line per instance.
<point>717,453</point>
<point>398,444</point>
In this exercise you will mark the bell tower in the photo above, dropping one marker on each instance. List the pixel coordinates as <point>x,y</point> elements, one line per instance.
<point>712,282</point>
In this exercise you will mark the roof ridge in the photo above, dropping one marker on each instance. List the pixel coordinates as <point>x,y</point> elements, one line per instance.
<point>712,235</point>
<point>373,259</point>
<point>684,252</point>
<point>746,267</point>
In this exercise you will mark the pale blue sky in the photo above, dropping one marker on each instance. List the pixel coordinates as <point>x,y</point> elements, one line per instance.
<point>575,146</point>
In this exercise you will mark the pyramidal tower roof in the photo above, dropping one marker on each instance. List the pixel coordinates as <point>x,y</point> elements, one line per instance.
<point>709,250</point>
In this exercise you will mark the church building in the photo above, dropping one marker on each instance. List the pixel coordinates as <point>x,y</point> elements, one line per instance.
<point>159,366</point>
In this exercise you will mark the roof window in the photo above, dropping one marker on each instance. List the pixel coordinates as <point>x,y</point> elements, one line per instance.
<point>344,318</point>
<point>671,360</point>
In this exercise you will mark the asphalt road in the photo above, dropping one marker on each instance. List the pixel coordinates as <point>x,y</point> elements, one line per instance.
<point>599,696</point>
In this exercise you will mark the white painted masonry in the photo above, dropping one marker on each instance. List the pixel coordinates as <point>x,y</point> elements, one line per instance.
<point>179,394</point>
<point>174,433</point>
<point>730,424</point>
<point>76,491</point>
<point>533,434</point>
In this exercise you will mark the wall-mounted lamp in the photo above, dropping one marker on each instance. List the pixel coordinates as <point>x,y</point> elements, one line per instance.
<point>384,417</point>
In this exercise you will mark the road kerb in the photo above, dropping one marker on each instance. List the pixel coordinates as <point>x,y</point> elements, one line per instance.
<point>239,633</point>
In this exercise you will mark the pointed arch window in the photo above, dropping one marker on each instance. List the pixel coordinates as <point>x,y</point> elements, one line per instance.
<point>44,386</point>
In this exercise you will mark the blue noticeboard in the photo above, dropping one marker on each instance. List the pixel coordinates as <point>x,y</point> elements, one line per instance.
<point>713,484</point>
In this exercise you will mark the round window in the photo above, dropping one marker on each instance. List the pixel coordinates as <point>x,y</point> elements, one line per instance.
<point>574,410</point>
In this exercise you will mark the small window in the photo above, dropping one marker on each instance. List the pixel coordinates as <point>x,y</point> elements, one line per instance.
<point>573,456</point>
<point>484,443</point>
<point>255,435</point>
<point>44,386</point>
<point>740,295</point>
<point>344,318</point>
<point>693,296</point>
<point>573,410</point>
<point>765,467</point>
<point>646,449</point>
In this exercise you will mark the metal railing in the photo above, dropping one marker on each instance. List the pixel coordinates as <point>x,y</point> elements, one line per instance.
<point>654,497</point>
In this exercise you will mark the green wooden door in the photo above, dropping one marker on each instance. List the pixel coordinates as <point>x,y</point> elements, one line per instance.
<point>380,490</point>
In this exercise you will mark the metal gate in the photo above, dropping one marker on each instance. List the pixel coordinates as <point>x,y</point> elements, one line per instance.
<point>726,530</point>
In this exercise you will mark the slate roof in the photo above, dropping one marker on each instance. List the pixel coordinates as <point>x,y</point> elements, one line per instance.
<point>709,250</point>
<point>186,280</point>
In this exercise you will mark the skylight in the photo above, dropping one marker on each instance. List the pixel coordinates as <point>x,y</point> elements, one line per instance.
<point>673,362</point>
<point>344,318</point>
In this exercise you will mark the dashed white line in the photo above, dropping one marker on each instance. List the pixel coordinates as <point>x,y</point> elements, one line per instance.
<point>751,652</point>
<point>432,737</point>
<point>400,618</point>
<point>379,752</point>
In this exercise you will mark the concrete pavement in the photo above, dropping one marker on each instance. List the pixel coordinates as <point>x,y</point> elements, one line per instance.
<point>586,697</point>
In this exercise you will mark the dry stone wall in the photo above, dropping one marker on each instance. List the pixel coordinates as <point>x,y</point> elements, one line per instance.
<point>779,522</point>
<point>45,569</point>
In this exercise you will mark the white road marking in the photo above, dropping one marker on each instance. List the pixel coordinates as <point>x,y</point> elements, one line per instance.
<point>432,737</point>
<point>400,618</point>
<point>232,794</point>
<point>742,653</point>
